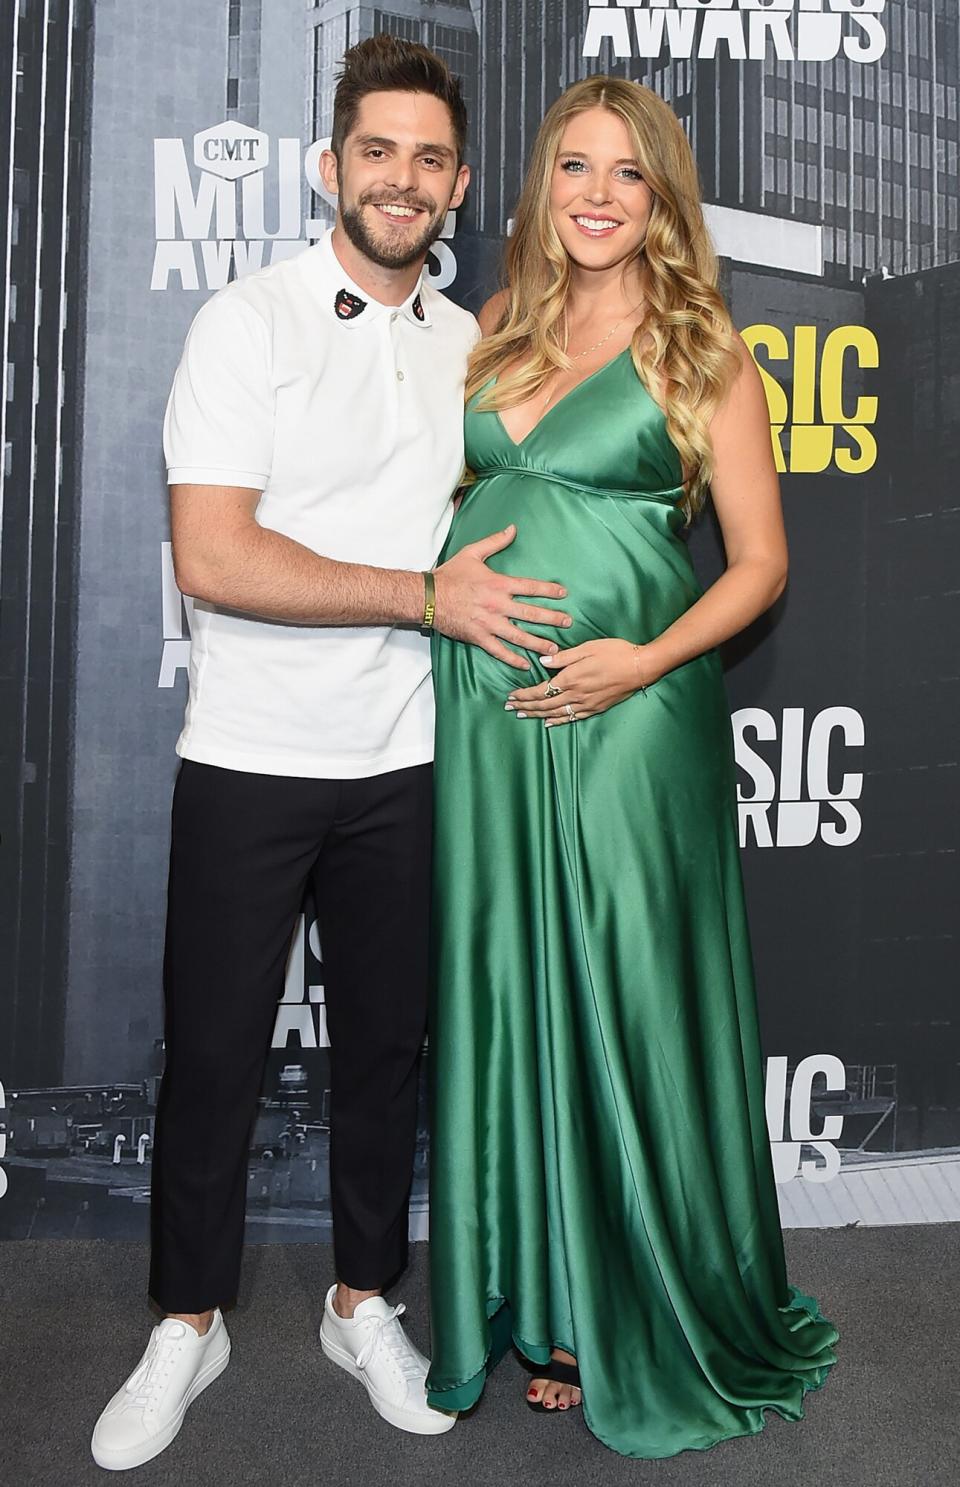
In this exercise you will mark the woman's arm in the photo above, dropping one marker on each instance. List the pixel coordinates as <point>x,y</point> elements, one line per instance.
<point>746,498</point>
<point>746,495</point>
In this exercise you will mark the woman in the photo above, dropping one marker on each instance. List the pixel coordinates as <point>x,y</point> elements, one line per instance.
<point>602,1188</point>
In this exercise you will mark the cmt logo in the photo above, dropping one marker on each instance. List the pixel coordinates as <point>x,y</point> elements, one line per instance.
<point>798,790</point>
<point>789,30</point>
<point>818,423</point>
<point>788,1137</point>
<point>231,150</point>
<point>3,1141</point>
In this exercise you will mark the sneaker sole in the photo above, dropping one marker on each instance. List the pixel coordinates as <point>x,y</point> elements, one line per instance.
<point>436,1423</point>
<point>121,1461</point>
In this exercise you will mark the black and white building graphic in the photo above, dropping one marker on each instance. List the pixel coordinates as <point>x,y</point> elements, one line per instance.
<point>44,98</point>
<point>865,150</point>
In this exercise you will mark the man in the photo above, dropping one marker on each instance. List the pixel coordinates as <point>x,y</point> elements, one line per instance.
<point>313,439</point>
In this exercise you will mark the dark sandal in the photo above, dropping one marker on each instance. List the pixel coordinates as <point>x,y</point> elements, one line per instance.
<point>555,1372</point>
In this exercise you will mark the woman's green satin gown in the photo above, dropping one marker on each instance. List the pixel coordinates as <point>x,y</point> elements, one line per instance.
<point>601,1173</point>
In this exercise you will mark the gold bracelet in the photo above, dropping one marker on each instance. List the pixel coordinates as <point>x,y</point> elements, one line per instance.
<point>636,656</point>
<point>429,603</point>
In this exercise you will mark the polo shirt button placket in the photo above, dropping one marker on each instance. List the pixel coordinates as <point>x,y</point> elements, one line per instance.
<point>394,317</point>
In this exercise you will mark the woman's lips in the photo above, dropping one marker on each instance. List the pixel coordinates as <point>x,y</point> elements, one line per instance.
<point>595,227</point>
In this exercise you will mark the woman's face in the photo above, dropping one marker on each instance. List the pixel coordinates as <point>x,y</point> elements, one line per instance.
<point>599,201</point>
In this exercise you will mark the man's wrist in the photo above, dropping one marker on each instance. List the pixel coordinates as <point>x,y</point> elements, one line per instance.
<point>429,603</point>
<point>408,603</point>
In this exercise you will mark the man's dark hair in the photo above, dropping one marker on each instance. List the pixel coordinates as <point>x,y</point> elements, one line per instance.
<point>386,64</point>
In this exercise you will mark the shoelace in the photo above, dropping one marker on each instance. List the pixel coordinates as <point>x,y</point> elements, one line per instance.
<point>393,1340</point>
<point>145,1383</point>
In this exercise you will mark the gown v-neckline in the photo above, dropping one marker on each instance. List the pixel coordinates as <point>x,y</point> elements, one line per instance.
<point>519,443</point>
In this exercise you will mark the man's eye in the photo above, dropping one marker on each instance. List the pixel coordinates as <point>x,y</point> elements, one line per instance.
<point>375,154</point>
<point>430,160</point>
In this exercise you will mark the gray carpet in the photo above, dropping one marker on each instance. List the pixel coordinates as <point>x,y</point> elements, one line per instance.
<point>73,1322</point>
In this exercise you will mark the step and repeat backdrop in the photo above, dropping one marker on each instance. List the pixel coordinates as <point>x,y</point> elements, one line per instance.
<point>153,152</point>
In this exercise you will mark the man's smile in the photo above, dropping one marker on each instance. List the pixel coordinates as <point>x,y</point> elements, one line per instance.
<point>396,212</point>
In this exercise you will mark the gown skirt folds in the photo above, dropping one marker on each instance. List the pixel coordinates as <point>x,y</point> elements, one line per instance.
<point>601,1172</point>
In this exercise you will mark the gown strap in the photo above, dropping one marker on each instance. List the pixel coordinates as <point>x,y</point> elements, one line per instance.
<point>558,1372</point>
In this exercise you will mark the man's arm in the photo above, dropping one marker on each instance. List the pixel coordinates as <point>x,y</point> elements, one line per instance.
<point>222,555</point>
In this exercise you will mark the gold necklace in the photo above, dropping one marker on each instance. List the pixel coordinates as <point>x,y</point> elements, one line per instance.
<point>595,347</point>
<point>604,339</point>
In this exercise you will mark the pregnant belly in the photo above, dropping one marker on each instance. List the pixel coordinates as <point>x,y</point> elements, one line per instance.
<point>625,572</point>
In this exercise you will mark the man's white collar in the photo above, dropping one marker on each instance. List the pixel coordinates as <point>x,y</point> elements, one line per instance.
<point>352,305</point>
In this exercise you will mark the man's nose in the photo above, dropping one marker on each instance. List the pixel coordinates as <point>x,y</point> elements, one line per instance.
<point>401,172</point>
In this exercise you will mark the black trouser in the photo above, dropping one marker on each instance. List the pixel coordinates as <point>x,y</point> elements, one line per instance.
<point>244,848</point>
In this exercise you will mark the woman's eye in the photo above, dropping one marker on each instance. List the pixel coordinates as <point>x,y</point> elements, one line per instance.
<point>631,174</point>
<point>573,166</point>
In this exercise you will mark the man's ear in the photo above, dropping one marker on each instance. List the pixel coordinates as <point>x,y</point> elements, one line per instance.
<point>330,172</point>
<point>460,189</point>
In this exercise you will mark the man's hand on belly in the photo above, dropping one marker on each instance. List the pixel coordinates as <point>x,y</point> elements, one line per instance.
<point>480,606</point>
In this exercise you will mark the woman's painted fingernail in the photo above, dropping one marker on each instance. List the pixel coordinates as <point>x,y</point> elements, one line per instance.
<point>548,724</point>
<point>521,715</point>
<point>509,707</point>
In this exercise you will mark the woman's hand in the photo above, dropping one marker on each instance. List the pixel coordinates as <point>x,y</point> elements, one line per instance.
<point>591,678</point>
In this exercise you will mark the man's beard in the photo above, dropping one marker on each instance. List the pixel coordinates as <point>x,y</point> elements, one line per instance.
<point>402,255</point>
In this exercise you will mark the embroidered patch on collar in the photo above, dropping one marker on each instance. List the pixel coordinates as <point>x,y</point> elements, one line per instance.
<point>417,308</point>
<point>348,306</point>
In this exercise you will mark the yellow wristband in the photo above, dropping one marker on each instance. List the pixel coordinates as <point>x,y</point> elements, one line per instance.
<point>429,603</point>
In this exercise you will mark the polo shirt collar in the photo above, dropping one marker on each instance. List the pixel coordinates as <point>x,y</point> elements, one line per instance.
<point>353,306</point>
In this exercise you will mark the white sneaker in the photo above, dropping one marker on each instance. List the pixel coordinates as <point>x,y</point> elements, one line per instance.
<point>145,1414</point>
<point>373,1347</point>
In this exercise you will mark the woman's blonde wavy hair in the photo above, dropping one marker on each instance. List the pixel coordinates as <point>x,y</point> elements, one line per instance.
<point>685,342</point>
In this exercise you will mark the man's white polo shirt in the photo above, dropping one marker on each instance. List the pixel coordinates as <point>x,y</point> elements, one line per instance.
<point>348,415</point>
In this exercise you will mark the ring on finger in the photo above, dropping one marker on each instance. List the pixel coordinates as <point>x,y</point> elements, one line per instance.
<point>570,712</point>
<point>551,690</point>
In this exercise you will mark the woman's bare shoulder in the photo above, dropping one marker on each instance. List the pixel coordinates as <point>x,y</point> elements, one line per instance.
<point>492,313</point>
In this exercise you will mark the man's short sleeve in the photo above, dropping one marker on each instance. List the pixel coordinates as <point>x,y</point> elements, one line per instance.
<point>218,428</point>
